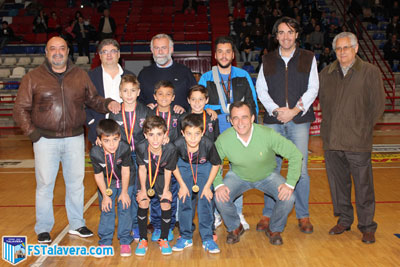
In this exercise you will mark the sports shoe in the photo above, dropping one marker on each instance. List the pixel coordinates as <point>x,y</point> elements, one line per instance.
<point>44,238</point>
<point>136,234</point>
<point>246,226</point>
<point>211,246</point>
<point>165,247</point>
<point>182,243</point>
<point>170,235</point>
<point>217,221</point>
<point>82,232</point>
<point>125,251</point>
<point>156,235</point>
<point>141,248</point>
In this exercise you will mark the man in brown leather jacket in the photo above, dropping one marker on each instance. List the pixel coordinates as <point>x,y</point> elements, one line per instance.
<point>352,100</point>
<point>50,109</point>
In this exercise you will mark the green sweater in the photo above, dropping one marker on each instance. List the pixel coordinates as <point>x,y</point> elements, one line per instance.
<point>257,161</point>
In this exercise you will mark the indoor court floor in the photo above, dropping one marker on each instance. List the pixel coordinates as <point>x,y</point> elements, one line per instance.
<point>17,209</point>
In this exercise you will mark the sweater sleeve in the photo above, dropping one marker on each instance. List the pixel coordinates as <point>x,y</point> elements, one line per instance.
<point>218,179</point>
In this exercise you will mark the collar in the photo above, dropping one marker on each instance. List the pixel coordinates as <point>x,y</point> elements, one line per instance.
<point>356,65</point>
<point>291,54</point>
<point>248,141</point>
<point>169,65</point>
<point>120,70</point>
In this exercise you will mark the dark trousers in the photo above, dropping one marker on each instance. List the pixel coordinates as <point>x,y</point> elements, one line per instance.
<point>339,166</point>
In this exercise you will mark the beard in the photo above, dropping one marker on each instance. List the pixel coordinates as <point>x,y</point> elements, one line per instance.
<point>224,66</point>
<point>56,62</point>
<point>162,60</point>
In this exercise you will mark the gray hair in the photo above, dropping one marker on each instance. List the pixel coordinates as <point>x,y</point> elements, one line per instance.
<point>352,36</point>
<point>108,42</point>
<point>159,36</point>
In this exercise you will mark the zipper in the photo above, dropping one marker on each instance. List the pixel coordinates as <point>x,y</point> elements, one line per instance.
<point>63,107</point>
<point>286,86</point>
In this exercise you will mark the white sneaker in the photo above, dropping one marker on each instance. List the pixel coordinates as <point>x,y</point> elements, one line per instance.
<point>218,221</point>
<point>246,226</point>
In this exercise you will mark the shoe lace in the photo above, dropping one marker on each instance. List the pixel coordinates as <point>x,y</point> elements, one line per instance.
<point>143,243</point>
<point>163,243</point>
<point>209,245</point>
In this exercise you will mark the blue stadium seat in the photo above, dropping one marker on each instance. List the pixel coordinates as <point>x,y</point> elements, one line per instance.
<point>372,27</point>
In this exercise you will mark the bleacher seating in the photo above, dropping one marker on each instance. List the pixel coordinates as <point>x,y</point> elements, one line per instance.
<point>9,61</point>
<point>5,73</point>
<point>18,72</point>
<point>23,61</point>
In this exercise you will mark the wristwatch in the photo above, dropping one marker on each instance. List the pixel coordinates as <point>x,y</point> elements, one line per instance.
<point>275,113</point>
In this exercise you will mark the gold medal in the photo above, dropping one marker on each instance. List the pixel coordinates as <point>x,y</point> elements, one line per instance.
<point>151,192</point>
<point>108,191</point>
<point>195,188</point>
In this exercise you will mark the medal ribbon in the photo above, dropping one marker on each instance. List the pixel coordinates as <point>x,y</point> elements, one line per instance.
<point>168,119</point>
<point>227,91</point>
<point>190,155</point>
<point>132,123</point>
<point>151,180</point>
<point>112,170</point>
<point>204,121</point>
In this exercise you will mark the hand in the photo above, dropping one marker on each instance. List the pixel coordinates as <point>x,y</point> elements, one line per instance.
<point>212,114</point>
<point>114,107</point>
<point>183,192</point>
<point>125,200</point>
<point>166,195</point>
<point>222,194</point>
<point>178,109</point>
<point>106,204</point>
<point>98,142</point>
<point>207,193</point>
<point>166,140</point>
<point>142,196</point>
<point>285,192</point>
<point>151,106</point>
<point>286,114</point>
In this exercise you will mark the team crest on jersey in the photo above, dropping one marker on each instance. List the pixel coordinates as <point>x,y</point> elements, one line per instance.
<point>202,160</point>
<point>119,161</point>
<point>141,123</point>
<point>210,127</point>
<point>174,123</point>
<point>163,164</point>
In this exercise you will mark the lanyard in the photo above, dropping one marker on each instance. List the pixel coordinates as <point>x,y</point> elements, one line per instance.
<point>227,91</point>
<point>132,123</point>
<point>168,119</point>
<point>190,155</point>
<point>112,170</point>
<point>151,180</point>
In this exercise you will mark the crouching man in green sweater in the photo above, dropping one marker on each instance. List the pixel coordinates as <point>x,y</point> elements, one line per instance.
<point>251,149</point>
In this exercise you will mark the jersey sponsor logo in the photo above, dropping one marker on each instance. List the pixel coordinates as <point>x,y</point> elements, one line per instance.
<point>141,123</point>
<point>210,127</point>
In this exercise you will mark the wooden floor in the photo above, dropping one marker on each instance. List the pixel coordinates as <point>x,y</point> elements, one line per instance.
<point>17,209</point>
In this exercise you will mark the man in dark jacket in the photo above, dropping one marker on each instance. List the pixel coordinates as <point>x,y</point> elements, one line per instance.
<point>49,108</point>
<point>287,86</point>
<point>106,78</point>
<point>352,100</point>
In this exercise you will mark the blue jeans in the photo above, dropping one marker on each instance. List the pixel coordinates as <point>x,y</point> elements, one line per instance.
<point>269,186</point>
<point>298,134</point>
<point>107,220</point>
<point>187,208</point>
<point>155,208</point>
<point>48,154</point>
<point>134,205</point>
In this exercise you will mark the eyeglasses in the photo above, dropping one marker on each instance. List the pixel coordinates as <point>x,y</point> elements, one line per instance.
<point>107,52</point>
<point>344,48</point>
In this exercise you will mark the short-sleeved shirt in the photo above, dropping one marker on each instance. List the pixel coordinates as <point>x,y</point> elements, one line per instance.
<point>211,129</point>
<point>173,124</point>
<point>121,157</point>
<point>142,112</point>
<point>167,162</point>
<point>206,153</point>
